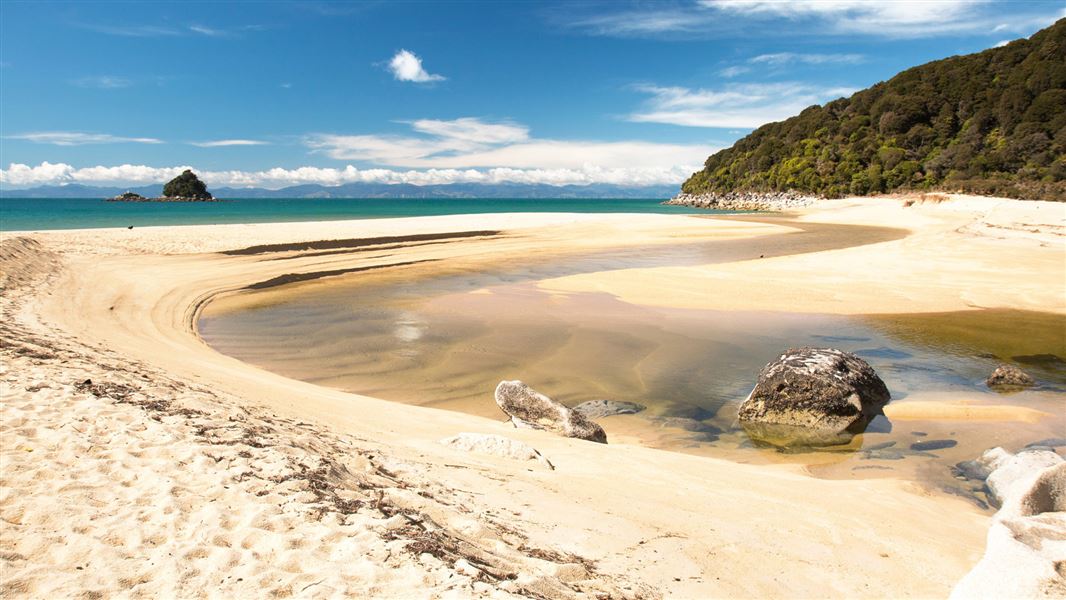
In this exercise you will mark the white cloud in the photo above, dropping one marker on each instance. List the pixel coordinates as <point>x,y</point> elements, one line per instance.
<point>472,130</point>
<point>470,142</point>
<point>22,176</point>
<point>909,18</point>
<point>133,30</point>
<point>220,143</point>
<point>883,18</point>
<point>784,58</point>
<point>657,21</point>
<point>156,31</point>
<point>464,150</point>
<point>74,138</point>
<point>742,105</point>
<point>104,82</point>
<point>208,31</point>
<point>1002,43</point>
<point>730,72</point>
<point>406,66</point>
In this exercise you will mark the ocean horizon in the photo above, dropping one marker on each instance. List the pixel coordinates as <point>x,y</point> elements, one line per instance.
<point>38,214</point>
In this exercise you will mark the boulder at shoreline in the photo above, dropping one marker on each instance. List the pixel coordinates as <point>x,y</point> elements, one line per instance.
<point>744,201</point>
<point>530,409</point>
<point>815,396</point>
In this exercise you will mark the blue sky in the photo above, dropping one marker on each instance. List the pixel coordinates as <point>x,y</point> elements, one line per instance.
<point>282,93</point>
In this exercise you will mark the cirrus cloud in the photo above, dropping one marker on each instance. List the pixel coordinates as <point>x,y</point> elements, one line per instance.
<point>103,82</point>
<point>77,138</point>
<point>223,143</point>
<point>784,58</point>
<point>741,105</point>
<point>744,18</point>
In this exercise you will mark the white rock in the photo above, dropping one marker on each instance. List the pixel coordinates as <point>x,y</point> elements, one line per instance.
<point>1027,538</point>
<point>992,458</point>
<point>465,568</point>
<point>496,445</point>
<point>1010,476</point>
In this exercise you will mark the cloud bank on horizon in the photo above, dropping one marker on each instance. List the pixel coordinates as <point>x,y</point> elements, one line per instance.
<point>24,176</point>
<point>628,93</point>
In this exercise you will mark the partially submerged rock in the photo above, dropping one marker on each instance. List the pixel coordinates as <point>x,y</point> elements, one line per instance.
<point>1027,539</point>
<point>1009,378</point>
<point>928,445</point>
<point>980,468</point>
<point>496,445</point>
<point>533,410</point>
<point>813,396</point>
<point>597,409</point>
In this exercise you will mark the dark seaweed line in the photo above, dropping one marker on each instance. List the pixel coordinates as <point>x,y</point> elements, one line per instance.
<point>355,242</point>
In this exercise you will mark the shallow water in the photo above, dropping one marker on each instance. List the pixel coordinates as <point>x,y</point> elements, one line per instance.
<point>446,339</point>
<point>23,214</point>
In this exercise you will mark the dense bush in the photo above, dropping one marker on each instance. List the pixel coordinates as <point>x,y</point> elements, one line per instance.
<point>988,123</point>
<point>186,185</point>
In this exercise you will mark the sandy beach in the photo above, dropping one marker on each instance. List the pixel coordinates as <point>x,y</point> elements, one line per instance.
<point>138,461</point>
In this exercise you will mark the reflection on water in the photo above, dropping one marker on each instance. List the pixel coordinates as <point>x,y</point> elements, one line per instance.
<point>447,340</point>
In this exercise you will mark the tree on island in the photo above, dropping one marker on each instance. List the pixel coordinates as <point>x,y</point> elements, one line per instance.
<point>186,185</point>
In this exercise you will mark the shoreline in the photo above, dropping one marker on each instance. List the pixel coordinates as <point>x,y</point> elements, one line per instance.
<point>106,291</point>
<point>744,201</point>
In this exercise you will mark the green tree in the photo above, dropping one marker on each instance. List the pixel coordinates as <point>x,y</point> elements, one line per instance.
<point>991,122</point>
<point>186,185</point>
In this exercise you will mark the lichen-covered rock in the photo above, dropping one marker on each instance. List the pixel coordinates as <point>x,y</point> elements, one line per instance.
<point>531,409</point>
<point>1009,378</point>
<point>597,409</point>
<point>813,396</point>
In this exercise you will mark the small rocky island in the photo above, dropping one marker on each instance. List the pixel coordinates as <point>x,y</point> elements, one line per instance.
<point>128,197</point>
<point>186,187</point>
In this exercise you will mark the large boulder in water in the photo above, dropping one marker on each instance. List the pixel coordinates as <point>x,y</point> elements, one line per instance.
<point>533,410</point>
<point>815,396</point>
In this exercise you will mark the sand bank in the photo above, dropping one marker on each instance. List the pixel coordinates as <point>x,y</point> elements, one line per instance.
<point>960,254</point>
<point>180,471</point>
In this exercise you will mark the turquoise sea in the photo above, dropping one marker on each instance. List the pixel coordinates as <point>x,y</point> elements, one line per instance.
<point>29,214</point>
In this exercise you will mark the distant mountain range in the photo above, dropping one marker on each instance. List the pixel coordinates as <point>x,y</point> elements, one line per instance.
<point>369,190</point>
